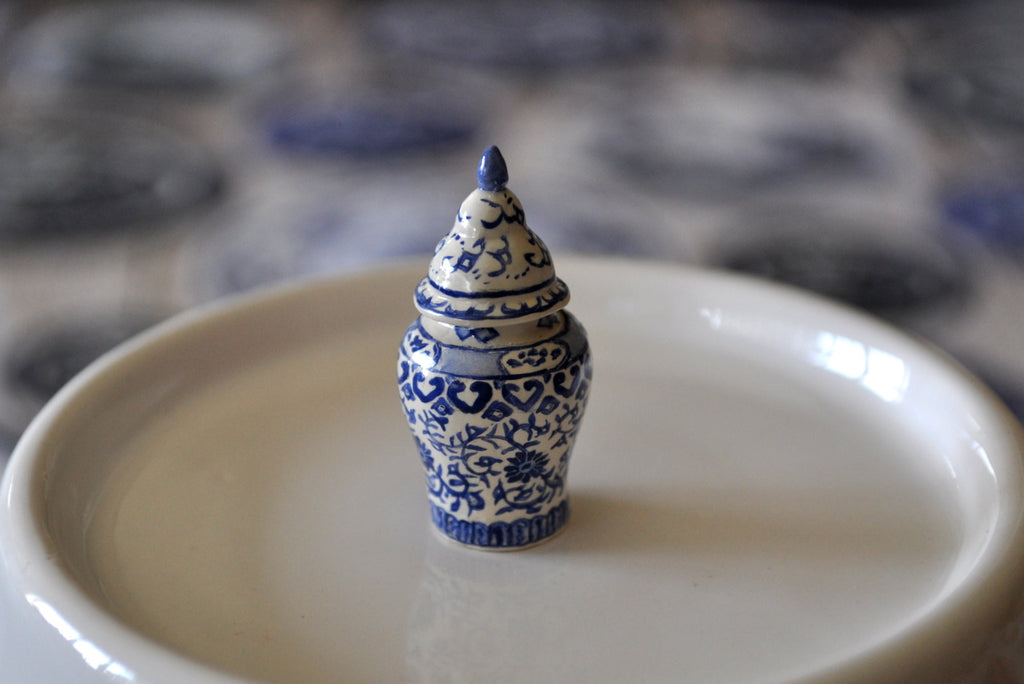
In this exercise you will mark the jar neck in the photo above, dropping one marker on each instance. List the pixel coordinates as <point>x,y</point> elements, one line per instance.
<point>510,334</point>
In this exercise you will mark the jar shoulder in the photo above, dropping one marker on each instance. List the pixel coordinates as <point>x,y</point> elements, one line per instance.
<point>476,352</point>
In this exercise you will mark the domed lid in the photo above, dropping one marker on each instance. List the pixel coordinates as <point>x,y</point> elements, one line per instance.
<point>490,268</point>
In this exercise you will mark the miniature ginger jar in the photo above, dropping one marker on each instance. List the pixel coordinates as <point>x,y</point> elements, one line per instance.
<point>494,375</point>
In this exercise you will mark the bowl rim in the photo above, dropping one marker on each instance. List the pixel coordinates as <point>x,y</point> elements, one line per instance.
<point>992,596</point>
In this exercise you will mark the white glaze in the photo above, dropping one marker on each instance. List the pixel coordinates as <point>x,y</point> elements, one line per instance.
<point>769,489</point>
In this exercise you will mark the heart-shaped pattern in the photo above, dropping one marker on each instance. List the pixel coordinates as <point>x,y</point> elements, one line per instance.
<point>512,393</point>
<point>482,390</point>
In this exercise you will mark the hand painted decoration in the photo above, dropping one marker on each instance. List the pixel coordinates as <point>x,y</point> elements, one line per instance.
<point>494,375</point>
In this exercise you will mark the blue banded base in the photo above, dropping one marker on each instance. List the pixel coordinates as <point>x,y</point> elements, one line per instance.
<point>501,535</point>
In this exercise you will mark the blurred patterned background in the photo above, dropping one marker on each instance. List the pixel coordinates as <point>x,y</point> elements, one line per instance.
<point>155,155</point>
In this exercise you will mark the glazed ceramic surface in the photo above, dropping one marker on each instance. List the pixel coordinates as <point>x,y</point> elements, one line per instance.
<point>768,489</point>
<point>494,425</point>
<point>494,375</point>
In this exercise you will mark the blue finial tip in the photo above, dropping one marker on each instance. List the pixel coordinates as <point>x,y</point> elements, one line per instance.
<point>492,174</point>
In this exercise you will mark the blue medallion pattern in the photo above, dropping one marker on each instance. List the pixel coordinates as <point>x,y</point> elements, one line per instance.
<point>495,429</point>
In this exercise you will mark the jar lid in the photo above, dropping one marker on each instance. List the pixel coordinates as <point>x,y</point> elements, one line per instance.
<point>490,268</point>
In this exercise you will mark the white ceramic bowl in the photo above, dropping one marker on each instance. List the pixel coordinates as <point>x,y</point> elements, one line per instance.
<point>767,487</point>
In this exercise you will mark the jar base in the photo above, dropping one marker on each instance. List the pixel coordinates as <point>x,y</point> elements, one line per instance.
<point>501,536</point>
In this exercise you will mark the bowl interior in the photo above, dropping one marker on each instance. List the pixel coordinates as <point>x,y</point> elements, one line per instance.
<point>765,487</point>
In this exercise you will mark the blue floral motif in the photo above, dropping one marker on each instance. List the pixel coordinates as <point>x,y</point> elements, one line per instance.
<point>499,442</point>
<point>525,467</point>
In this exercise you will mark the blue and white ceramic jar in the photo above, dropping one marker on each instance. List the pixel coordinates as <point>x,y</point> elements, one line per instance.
<point>494,375</point>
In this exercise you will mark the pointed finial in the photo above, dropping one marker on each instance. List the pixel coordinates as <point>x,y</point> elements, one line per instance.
<point>492,174</point>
